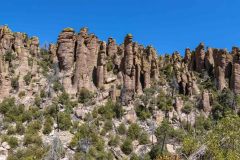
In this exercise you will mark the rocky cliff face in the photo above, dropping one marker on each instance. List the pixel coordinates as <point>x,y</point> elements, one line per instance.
<point>18,55</point>
<point>86,62</point>
<point>82,80</point>
<point>83,62</point>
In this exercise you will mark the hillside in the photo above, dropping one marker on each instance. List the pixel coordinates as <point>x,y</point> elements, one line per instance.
<point>83,98</point>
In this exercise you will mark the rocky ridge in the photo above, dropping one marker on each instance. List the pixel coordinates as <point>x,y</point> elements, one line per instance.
<point>86,62</point>
<point>126,74</point>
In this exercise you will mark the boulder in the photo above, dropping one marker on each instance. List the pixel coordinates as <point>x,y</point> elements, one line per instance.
<point>80,113</point>
<point>6,145</point>
<point>131,116</point>
<point>171,149</point>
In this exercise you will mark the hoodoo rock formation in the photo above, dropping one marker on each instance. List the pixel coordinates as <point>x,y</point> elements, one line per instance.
<point>101,65</point>
<point>236,70</point>
<point>18,59</point>
<point>206,106</point>
<point>200,57</point>
<point>122,70</point>
<point>65,54</point>
<point>83,62</point>
<point>83,91</point>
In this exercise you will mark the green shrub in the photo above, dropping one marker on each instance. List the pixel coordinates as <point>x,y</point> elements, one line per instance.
<point>164,131</point>
<point>12,141</point>
<point>64,121</point>
<point>168,71</point>
<point>109,65</point>
<point>202,124</point>
<point>57,86</point>
<point>74,127</point>
<point>223,104</point>
<point>15,83</point>
<point>51,110</point>
<point>26,117</point>
<point>30,153</point>
<point>84,131</point>
<point>35,112</point>
<point>20,129</point>
<point>9,56</point>
<point>134,131</point>
<point>68,29</point>
<point>142,112</point>
<point>223,140</point>
<point>127,146</point>
<point>48,124</point>
<point>106,111</point>
<point>110,110</point>
<point>143,138</point>
<point>187,108</point>
<point>34,126</point>
<point>15,113</point>
<point>44,66</point>
<point>27,78</point>
<point>85,95</point>
<point>164,102</point>
<point>95,113</point>
<point>103,132</point>
<point>99,144</point>
<point>12,113</point>
<point>121,129</point>
<point>30,138</point>
<point>6,104</point>
<point>11,130</point>
<point>43,94</point>
<point>108,125</point>
<point>37,101</point>
<point>134,157</point>
<point>44,62</point>
<point>64,99</point>
<point>114,141</point>
<point>189,145</point>
<point>74,142</point>
<point>156,151</point>
<point>118,109</point>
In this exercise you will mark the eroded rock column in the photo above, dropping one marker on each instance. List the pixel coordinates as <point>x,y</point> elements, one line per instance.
<point>65,54</point>
<point>101,65</point>
<point>236,71</point>
<point>199,57</point>
<point>128,75</point>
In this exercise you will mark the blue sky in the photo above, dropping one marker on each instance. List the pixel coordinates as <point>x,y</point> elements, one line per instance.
<point>168,25</point>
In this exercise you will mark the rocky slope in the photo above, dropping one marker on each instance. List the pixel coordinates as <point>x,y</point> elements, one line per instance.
<point>83,85</point>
